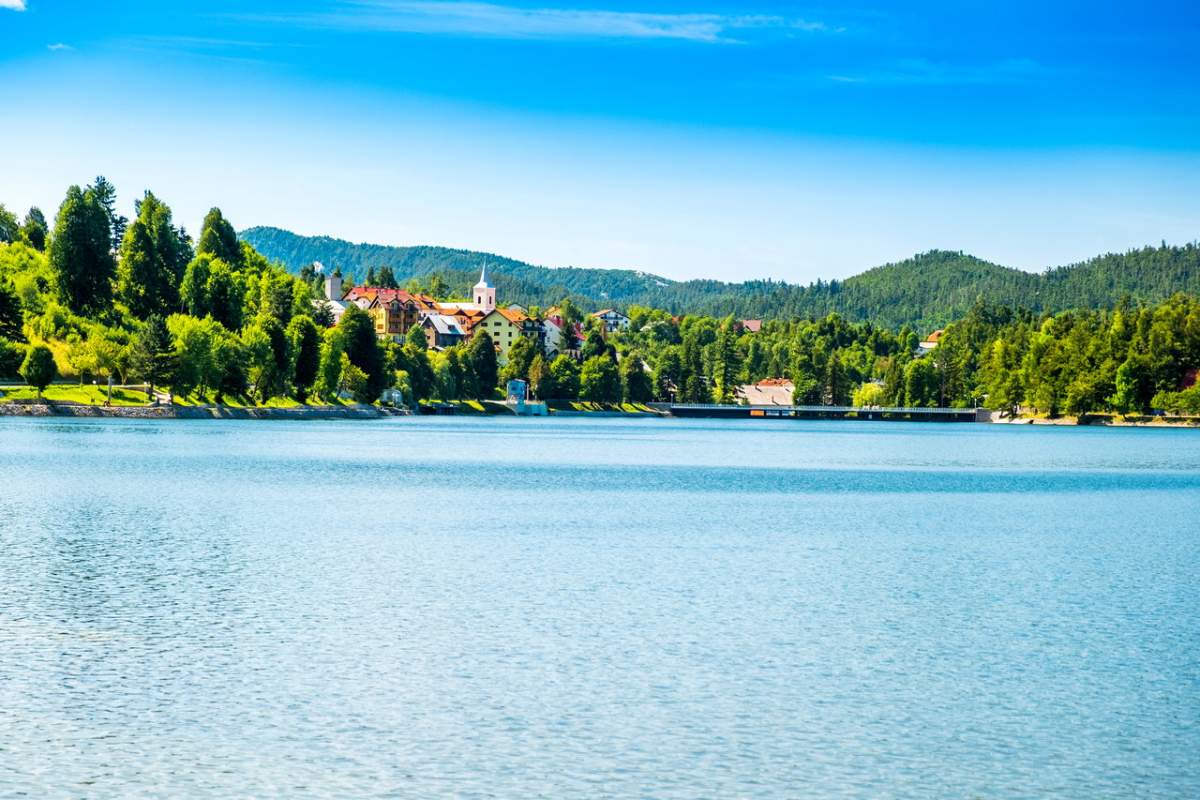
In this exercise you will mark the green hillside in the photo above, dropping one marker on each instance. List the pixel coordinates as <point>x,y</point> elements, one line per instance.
<point>926,291</point>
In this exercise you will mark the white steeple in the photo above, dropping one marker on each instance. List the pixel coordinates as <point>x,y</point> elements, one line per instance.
<point>485,293</point>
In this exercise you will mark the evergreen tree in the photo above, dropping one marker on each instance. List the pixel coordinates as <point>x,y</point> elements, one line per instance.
<point>35,229</point>
<point>541,379</point>
<point>483,358</point>
<point>362,348</point>
<point>152,357</point>
<point>305,344</point>
<point>106,195</point>
<point>224,295</point>
<point>727,365</point>
<point>594,344</point>
<point>193,289</point>
<point>154,255</point>
<point>219,240</point>
<point>81,253</point>
<point>636,386</point>
<point>387,278</point>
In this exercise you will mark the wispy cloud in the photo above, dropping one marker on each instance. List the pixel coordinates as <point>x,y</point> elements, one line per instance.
<point>13,5</point>
<point>58,46</point>
<point>511,22</point>
<point>923,72</point>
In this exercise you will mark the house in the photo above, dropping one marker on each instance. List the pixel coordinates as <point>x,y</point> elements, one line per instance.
<point>504,326</point>
<point>930,343</point>
<point>752,325</point>
<point>442,330</point>
<point>552,333</point>
<point>769,392</point>
<point>613,320</point>
<point>394,311</point>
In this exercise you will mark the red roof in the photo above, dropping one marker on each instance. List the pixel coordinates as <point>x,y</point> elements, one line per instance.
<point>752,325</point>
<point>387,295</point>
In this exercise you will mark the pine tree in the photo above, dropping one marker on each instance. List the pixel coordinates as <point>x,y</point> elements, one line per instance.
<point>219,240</point>
<point>81,253</point>
<point>34,229</point>
<point>305,345</point>
<point>154,255</point>
<point>153,355</point>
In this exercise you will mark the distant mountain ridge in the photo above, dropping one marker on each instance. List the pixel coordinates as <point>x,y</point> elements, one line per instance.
<point>925,291</point>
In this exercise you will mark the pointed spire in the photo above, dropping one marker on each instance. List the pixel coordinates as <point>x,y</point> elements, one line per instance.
<point>483,277</point>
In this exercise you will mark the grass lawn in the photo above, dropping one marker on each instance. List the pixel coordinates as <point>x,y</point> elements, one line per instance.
<point>74,393</point>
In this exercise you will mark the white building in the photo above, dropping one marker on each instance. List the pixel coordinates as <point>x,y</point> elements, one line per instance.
<point>613,320</point>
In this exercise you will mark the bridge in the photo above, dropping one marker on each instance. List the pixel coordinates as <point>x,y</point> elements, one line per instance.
<point>900,413</point>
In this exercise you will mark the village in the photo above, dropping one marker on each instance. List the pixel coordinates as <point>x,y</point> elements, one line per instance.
<point>447,324</point>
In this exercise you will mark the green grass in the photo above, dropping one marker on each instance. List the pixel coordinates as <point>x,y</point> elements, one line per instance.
<point>74,393</point>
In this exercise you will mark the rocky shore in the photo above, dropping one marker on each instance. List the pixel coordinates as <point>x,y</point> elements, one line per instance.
<point>194,412</point>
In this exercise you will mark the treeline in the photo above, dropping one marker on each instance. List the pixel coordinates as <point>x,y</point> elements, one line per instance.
<point>1132,358</point>
<point>97,295</point>
<point>924,292</point>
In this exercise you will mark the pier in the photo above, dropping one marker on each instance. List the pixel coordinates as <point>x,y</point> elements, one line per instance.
<point>897,413</point>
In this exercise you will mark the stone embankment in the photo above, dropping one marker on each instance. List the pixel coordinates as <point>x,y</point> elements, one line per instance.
<point>194,412</point>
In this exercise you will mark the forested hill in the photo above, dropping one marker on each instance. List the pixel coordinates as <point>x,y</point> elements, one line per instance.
<point>926,291</point>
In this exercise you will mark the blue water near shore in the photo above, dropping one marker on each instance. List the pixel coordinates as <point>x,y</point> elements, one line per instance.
<point>634,608</point>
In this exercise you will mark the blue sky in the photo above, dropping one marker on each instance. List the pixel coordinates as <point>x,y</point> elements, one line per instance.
<point>689,138</point>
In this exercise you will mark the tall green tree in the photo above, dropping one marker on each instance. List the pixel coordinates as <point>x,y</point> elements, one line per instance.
<point>152,357</point>
<point>482,352</point>
<point>154,255</point>
<point>599,381</point>
<point>305,343</point>
<point>81,253</point>
<point>636,386</point>
<point>386,278</point>
<point>35,230</point>
<point>219,240</point>
<point>193,289</point>
<point>520,357</point>
<point>362,348</point>
<point>106,195</point>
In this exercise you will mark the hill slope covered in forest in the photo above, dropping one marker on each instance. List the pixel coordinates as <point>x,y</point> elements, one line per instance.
<point>925,291</point>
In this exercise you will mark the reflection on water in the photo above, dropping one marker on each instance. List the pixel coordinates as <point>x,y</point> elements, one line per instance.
<point>422,607</point>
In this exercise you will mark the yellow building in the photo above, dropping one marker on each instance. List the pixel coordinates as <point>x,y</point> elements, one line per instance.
<point>504,326</point>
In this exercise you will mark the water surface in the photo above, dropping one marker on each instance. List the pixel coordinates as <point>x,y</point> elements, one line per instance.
<point>577,607</point>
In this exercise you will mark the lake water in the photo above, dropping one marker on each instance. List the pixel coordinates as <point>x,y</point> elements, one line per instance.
<point>578,607</point>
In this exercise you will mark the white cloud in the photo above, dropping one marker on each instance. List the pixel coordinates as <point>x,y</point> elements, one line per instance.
<point>58,46</point>
<point>15,5</point>
<point>510,22</point>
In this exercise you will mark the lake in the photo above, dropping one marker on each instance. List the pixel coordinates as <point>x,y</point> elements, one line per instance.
<point>424,607</point>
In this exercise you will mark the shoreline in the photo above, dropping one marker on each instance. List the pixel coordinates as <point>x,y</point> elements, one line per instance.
<point>364,412</point>
<point>194,412</point>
